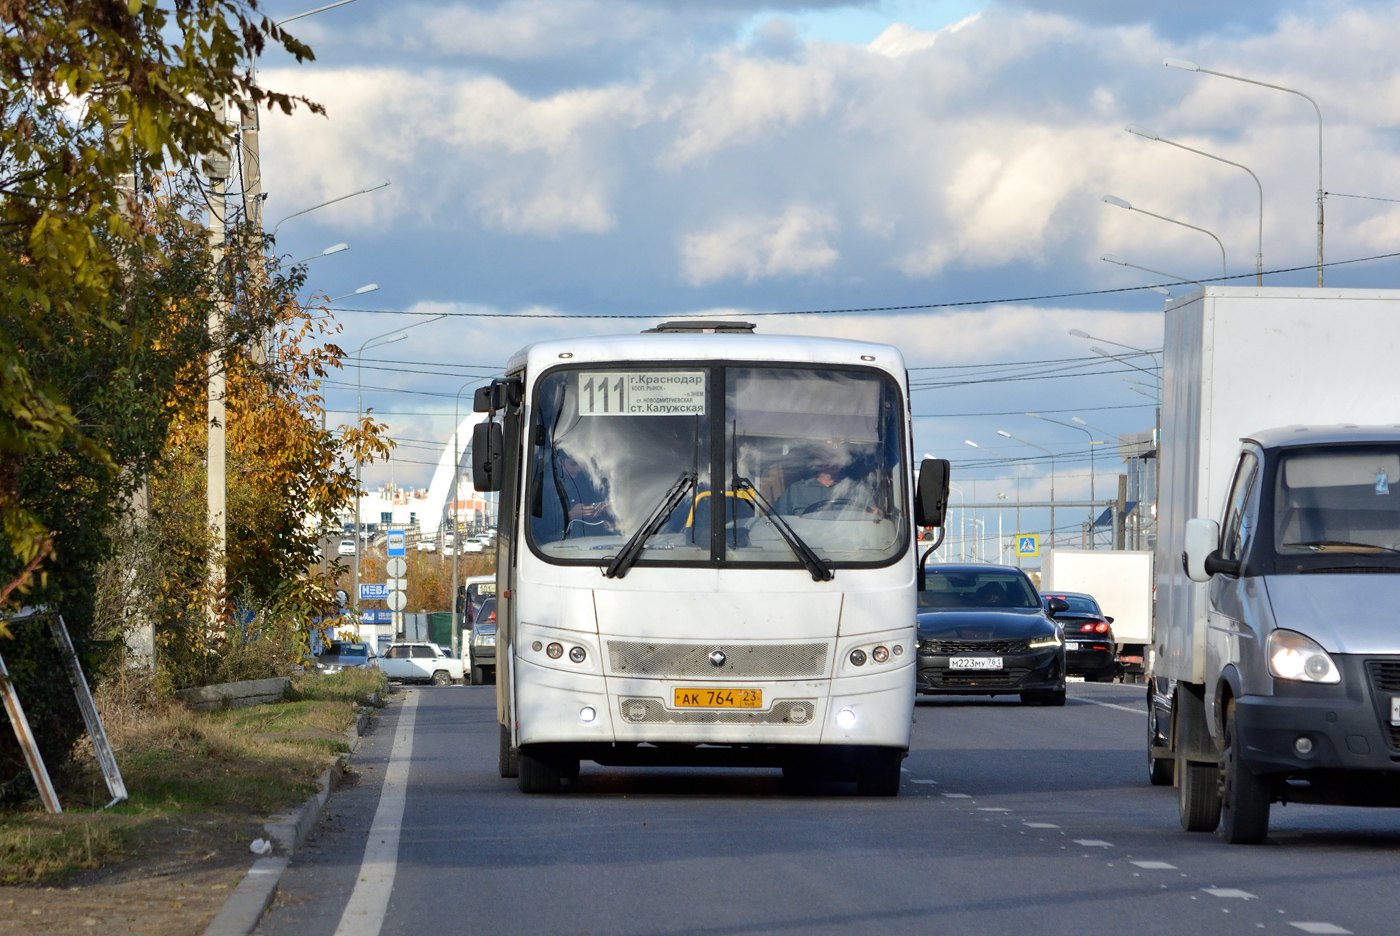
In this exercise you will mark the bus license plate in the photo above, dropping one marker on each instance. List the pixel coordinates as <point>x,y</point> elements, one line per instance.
<point>974,662</point>
<point>717,698</point>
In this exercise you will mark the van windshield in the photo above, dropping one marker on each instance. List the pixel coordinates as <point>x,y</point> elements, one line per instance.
<point>1338,501</point>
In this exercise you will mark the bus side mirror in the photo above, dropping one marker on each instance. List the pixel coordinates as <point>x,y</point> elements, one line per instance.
<point>931,497</point>
<point>488,456</point>
<point>481,399</point>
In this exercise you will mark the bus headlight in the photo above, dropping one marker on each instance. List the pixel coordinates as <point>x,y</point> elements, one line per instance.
<point>880,654</point>
<point>857,657</point>
<point>578,654</point>
<point>1296,657</point>
<point>555,650</point>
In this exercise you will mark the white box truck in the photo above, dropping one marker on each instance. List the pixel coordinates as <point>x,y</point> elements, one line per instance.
<point>1120,580</point>
<point>1278,559</point>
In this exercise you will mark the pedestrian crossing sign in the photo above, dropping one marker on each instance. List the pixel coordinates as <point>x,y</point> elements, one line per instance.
<point>1027,545</point>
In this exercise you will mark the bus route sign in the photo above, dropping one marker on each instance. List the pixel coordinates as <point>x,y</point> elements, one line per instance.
<point>395,544</point>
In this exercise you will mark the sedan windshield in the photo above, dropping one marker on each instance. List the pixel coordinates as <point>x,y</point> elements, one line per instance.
<point>977,588</point>
<point>1338,501</point>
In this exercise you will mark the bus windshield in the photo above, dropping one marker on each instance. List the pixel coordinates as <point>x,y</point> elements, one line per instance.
<point>820,448</point>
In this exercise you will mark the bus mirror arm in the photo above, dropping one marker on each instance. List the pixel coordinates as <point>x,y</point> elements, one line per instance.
<point>923,560</point>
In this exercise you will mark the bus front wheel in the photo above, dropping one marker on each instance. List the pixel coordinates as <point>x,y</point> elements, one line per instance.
<point>877,772</point>
<point>540,773</point>
<point>508,756</point>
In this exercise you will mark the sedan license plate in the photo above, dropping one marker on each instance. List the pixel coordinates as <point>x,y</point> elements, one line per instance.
<point>1071,645</point>
<point>1395,710</point>
<point>974,662</point>
<point>717,698</point>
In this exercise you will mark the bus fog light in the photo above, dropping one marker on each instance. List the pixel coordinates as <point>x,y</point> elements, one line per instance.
<point>880,654</point>
<point>587,715</point>
<point>555,650</point>
<point>899,649</point>
<point>846,718</point>
<point>536,646</point>
<point>577,654</point>
<point>857,658</point>
<point>1303,746</point>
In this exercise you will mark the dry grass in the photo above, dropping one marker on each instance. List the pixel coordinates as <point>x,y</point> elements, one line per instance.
<point>228,765</point>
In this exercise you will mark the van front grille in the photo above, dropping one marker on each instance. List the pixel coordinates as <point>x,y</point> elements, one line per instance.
<point>741,661</point>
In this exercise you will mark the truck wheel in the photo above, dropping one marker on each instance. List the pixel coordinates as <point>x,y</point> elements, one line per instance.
<point>877,772</point>
<point>537,775</point>
<point>1198,796</point>
<point>1244,798</point>
<point>1159,769</point>
<point>442,678</point>
<point>507,759</point>
<point>477,678</point>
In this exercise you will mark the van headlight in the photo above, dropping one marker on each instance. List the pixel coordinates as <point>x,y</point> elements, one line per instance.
<point>1040,643</point>
<point>1294,656</point>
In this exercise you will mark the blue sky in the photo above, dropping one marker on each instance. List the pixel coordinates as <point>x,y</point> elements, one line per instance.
<point>597,157</point>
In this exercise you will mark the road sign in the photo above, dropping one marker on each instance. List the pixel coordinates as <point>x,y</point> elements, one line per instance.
<point>377,616</point>
<point>1027,545</point>
<point>397,600</point>
<point>397,584</point>
<point>396,543</point>
<point>373,592</point>
<point>397,567</point>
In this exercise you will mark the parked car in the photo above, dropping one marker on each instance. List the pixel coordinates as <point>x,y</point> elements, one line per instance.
<point>347,547</point>
<point>1090,648</point>
<point>483,644</point>
<point>983,631</point>
<point>344,654</point>
<point>427,545</point>
<point>420,662</point>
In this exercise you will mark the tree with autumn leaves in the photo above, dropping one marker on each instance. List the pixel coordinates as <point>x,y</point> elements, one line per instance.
<point>108,113</point>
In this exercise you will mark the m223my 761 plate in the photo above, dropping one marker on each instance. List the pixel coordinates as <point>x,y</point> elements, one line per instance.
<point>717,698</point>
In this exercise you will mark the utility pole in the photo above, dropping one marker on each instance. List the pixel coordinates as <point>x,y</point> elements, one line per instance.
<point>217,167</point>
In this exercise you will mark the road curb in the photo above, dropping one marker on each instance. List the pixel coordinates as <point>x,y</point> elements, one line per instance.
<point>240,914</point>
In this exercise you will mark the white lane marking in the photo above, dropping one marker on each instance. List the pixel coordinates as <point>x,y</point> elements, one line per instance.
<point>1093,843</point>
<point>1319,927</point>
<point>957,796</point>
<point>934,782</point>
<point>1121,708</point>
<point>992,809</point>
<point>1229,892</point>
<point>1155,865</point>
<point>1040,825</point>
<point>364,914</point>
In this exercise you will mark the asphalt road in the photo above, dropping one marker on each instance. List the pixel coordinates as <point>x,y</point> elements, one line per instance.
<point>1011,820</point>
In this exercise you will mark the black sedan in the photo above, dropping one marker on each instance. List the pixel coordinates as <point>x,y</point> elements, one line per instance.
<point>982,631</point>
<point>1089,648</point>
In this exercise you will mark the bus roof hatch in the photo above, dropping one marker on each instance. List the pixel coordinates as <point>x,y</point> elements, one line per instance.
<point>701,327</point>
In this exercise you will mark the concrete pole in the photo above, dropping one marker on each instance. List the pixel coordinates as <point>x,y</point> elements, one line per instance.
<point>216,479</point>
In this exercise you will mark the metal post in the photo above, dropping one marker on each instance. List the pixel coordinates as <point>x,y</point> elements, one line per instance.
<point>32,757</point>
<point>1121,512</point>
<point>100,745</point>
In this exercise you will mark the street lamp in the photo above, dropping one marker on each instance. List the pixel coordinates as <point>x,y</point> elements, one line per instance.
<point>371,287</point>
<point>320,9</point>
<point>1110,258</point>
<point>1092,498</point>
<point>335,249</point>
<point>1015,464</point>
<point>372,187</point>
<point>456,527</point>
<point>1121,203</point>
<point>1192,66</point>
<point>1003,433</point>
<point>374,342</point>
<point>1258,257</point>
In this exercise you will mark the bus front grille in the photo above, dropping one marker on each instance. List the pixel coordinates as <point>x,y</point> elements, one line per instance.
<point>654,711</point>
<point>739,661</point>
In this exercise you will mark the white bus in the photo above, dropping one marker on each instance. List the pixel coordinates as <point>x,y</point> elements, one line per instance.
<point>641,622</point>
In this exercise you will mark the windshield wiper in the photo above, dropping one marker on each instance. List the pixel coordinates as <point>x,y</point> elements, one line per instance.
<point>632,551</point>
<point>1340,546</point>
<point>821,572</point>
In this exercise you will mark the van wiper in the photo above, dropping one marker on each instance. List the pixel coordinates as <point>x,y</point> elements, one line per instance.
<point>632,551</point>
<point>1331,546</point>
<point>821,572</point>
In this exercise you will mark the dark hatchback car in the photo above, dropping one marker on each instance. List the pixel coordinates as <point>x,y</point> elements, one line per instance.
<point>1089,648</point>
<point>344,654</point>
<point>982,631</point>
<point>482,649</point>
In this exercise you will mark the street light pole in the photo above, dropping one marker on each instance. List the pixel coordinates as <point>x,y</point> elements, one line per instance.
<point>456,527</point>
<point>1003,433</point>
<point>1192,66</point>
<point>1111,258</point>
<point>1117,202</point>
<point>1258,257</point>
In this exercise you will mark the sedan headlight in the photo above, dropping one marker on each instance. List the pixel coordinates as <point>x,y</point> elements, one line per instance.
<point>1296,657</point>
<point>486,640</point>
<point>1040,643</point>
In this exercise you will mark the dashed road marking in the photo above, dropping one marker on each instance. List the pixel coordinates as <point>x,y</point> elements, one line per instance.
<point>1229,892</point>
<point>1319,927</point>
<point>934,782</point>
<point>1041,825</point>
<point>992,809</point>
<point>1155,865</point>
<point>1093,843</point>
<point>1121,708</point>
<point>957,796</point>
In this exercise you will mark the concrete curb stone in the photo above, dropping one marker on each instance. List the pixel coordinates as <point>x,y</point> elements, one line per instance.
<point>240,914</point>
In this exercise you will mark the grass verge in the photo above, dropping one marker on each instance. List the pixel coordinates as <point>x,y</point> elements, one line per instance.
<point>182,768</point>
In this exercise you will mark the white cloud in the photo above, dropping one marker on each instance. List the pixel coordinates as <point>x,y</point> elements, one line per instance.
<point>788,244</point>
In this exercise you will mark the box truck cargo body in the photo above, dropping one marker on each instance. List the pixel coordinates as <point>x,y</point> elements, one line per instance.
<point>1120,581</point>
<point>1279,439</point>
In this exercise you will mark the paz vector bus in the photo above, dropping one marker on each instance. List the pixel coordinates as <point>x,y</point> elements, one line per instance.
<point>706,553</point>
